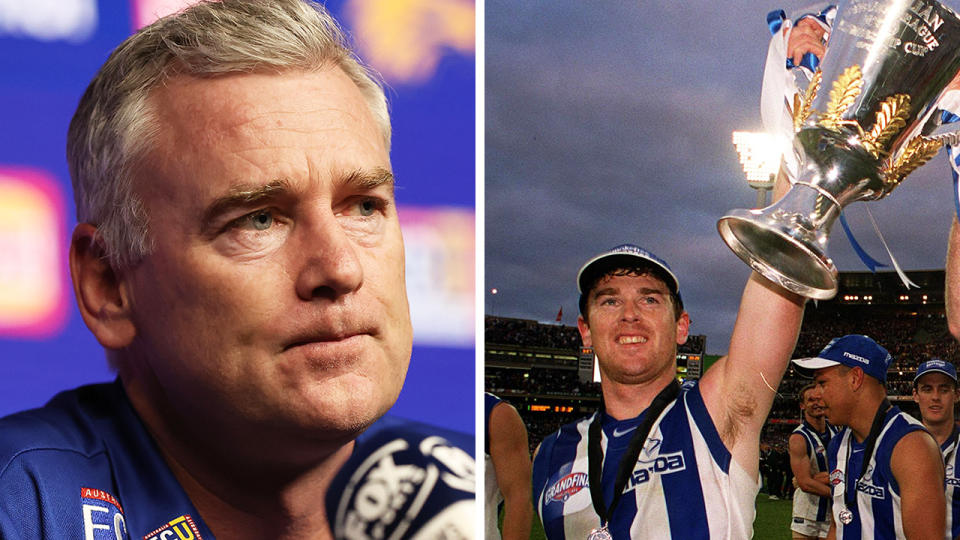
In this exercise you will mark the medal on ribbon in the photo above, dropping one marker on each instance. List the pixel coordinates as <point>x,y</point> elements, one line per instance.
<point>601,533</point>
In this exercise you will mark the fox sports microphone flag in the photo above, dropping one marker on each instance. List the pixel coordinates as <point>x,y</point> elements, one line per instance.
<point>405,481</point>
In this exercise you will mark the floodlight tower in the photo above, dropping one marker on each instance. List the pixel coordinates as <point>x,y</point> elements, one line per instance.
<point>760,156</point>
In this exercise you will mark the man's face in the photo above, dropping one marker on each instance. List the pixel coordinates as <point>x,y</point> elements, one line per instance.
<point>275,293</point>
<point>812,404</point>
<point>835,393</point>
<point>632,327</point>
<point>936,394</point>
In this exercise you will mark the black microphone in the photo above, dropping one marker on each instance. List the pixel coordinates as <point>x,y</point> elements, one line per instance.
<point>405,481</point>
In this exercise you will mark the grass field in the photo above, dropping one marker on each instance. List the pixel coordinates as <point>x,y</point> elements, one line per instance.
<point>772,523</point>
<point>773,519</point>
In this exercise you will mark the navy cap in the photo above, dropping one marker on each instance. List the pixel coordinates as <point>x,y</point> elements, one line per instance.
<point>936,365</point>
<point>629,253</point>
<point>853,350</point>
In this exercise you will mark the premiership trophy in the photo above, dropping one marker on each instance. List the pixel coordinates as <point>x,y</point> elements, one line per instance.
<point>862,126</point>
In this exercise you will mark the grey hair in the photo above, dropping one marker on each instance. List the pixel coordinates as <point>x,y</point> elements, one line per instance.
<point>114,124</point>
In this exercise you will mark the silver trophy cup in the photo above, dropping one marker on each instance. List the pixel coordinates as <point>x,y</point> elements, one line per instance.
<point>862,127</point>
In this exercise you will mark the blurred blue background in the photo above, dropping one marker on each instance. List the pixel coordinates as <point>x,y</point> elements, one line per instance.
<point>49,51</point>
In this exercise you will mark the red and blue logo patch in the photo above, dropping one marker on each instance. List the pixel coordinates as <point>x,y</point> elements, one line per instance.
<point>567,486</point>
<point>102,515</point>
<point>836,477</point>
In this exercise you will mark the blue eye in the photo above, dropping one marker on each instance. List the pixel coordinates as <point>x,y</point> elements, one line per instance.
<point>260,220</point>
<point>368,207</point>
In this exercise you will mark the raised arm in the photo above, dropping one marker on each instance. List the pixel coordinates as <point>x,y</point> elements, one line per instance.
<point>918,468</point>
<point>739,388</point>
<point>510,454</point>
<point>800,464</point>
<point>953,280</point>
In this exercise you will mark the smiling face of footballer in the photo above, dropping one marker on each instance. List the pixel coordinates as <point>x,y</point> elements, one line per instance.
<point>274,297</point>
<point>633,329</point>
<point>812,404</point>
<point>936,394</point>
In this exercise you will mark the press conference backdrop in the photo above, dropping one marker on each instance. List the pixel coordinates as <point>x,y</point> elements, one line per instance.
<point>49,51</point>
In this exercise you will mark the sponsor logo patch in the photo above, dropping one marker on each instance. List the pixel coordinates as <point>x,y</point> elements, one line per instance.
<point>871,490</point>
<point>836,477</point>
<point>645,470</point>
<point>856,357</point>
<point>178,528</point>
<point>102,515</point>
<point>567,486</point>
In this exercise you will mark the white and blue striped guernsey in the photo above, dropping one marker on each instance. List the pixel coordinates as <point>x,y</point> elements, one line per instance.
<point>949,451</point>
<point>811,506</point>
<point>684,485</point>
<point>877,513</point>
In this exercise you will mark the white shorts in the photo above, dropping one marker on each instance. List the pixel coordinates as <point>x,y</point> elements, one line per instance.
<point>807,527</point>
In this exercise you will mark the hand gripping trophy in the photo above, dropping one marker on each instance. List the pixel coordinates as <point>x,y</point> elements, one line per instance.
<point>862,126</point>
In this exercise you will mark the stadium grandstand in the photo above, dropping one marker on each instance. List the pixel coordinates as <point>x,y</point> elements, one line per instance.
<point>543,370</point>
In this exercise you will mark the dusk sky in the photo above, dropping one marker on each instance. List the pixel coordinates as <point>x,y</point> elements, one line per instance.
<point>612,124</point>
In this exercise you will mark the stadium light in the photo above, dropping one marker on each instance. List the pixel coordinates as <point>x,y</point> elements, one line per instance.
<point>760,155</point>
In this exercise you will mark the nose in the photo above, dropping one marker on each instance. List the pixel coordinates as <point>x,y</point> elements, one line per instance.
<point>630,312</point>
<point>329,264</point>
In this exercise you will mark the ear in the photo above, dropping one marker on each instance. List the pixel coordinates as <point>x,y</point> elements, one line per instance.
<point>916,398</point>
<point>584,331</point>
<point>856,378</point>
<point>683,328</point>
<point>101,293</point>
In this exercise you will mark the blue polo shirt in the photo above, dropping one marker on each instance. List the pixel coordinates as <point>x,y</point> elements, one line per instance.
<point>84,466</point>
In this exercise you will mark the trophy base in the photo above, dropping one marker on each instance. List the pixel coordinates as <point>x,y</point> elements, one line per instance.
<point>775,252</point>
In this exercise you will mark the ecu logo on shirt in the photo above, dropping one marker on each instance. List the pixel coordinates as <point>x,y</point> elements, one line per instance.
<point>102,515</point>
<point>567,486</point>
<point>178,528</point>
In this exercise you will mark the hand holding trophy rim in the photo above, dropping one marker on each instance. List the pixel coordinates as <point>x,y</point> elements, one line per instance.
<point>861,128</point>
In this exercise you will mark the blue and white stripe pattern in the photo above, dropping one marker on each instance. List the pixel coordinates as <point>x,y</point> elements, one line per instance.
<point>877,513</point>
<point>949,451</point>
<point>684,484</point>
<point>810,506</point>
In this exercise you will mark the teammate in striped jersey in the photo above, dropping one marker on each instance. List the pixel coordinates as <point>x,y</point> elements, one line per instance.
<point>506,472</point>
<point>935,391</point>
<point>885,468</point>
<point>658,461</point>
<point>808,459</point>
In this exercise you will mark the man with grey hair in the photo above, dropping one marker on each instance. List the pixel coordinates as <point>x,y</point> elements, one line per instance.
<point>239,257</point>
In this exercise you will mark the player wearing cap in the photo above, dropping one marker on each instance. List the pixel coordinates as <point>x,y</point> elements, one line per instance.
<point>656,461</point>
<point>808,460</point>
<point>885,468</point>
<point>935,392</point>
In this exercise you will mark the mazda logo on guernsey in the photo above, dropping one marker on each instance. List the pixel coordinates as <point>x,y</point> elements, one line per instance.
<point>567,486</point>
<point>873,491</point>
<point>662,464</point>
